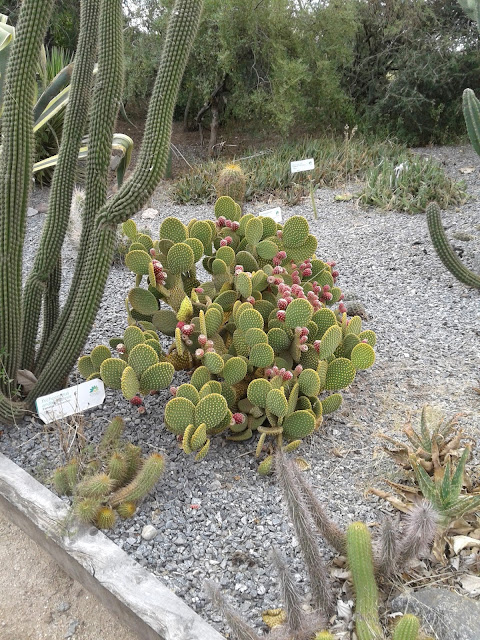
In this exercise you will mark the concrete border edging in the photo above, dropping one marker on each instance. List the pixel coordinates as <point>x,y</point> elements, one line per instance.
<point>130,592</point>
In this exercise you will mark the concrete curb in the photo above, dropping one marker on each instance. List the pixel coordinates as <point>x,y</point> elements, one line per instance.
<point>131,593</point>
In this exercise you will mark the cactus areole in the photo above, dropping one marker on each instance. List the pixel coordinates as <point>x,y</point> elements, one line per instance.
<point>65,329</point>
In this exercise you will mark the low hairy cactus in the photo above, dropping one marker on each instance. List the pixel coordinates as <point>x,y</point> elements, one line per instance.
<point>265,335</point>
<point>113,482</point>
<point>364,562</point>
<point>231,182</point>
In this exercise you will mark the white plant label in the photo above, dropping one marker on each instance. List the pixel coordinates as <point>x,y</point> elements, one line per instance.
<point>302,165</point>
<point>276,214</point>
<point>66,402</point>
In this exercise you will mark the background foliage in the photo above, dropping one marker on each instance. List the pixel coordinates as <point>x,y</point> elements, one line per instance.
<point>396,67</point>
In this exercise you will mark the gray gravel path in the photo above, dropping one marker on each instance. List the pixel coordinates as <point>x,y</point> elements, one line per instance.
<point>218,519</point>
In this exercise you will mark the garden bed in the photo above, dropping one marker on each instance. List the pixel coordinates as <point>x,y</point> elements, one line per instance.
<point>217,519</point>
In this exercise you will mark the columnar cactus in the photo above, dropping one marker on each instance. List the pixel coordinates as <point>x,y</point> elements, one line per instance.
<point>111,484</point>
<point>471,113</point>
<point>66,331</point>
<point>266,335</point>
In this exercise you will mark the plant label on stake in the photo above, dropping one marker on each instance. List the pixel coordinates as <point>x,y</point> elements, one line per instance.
<point>302,165</point>
<point>306,165</point>
<point>67,402</point>
<point>276,214</point>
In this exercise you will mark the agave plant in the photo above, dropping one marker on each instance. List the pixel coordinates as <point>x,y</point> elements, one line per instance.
<point>50,105</point>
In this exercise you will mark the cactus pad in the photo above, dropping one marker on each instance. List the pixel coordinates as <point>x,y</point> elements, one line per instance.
<point>211,410</point>
<point>261,355</point>
<point>235,370</point>
<point>180,258</point>
<point>309,382</point>
<point>295,232</point>
<point>129,383</point>
<point>138,262</point>
<point>173,229</point>
<point>276,403</point>
<point>298,313</point>
<point>179,413</point>
<point>298,425</point>
<point>340,374</point>
<point>111,371</point>
<point>158,376</point>
<point>143,301</point>
<point>257,392</point>
<point>362,356</point>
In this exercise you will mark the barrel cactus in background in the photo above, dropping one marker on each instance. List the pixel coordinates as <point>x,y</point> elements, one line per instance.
<point>231,182</point>
<point>267,336</point>
<point>65,330</point>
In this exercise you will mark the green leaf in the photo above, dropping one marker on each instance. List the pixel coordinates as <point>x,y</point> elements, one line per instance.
<point>456,483</point>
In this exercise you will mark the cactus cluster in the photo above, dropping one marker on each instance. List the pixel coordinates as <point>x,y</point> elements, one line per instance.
<point>265,336</point>
<point>110,483</point>
<point>367,563</point>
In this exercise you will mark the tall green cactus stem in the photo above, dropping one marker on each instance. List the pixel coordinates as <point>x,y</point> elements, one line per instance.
<point>445,252</point>
<point>78,314</point>
<point>360,561</point>
<point>471,113</point>
<point>407,628</point>
<point>15,178</point>
<point>106,101</point>
<point>56,221</point>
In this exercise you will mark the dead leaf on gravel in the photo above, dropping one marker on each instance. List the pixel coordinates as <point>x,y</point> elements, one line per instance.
<point>461,542</point>
<point>466,170</point>
<point>471,584</point>
<point>302,464</point>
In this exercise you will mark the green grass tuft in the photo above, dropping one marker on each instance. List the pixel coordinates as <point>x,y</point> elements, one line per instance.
<point>408,183</point>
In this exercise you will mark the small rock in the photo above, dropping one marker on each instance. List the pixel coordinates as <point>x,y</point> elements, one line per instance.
<point>451,616</point>
<point>149,532</point>
<point>31,212</point>
<point>72,627</point>
<point>62,607</point>
<point>355,308</point>
<point>42,208</point>
<point>149,214</point>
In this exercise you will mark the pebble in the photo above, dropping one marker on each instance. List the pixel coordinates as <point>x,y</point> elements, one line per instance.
<point>149,214</point>
<point>149,532</point>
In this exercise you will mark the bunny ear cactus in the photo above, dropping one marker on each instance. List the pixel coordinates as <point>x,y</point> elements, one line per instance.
<point>65,330</point>
<point>266,335</point>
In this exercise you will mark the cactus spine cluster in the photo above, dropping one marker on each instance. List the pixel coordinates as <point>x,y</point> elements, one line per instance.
<point>65,330</point>
<point>265,336</point>
<point>110,483</point>
<point>471,113</point>
<point>309,518</point>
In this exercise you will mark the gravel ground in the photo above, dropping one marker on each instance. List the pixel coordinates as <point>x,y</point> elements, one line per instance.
<point>218,519</point>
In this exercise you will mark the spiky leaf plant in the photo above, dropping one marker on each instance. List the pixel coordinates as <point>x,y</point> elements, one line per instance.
<point>65,330</point>
<point>364,561</point>
<point>267,333</point>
